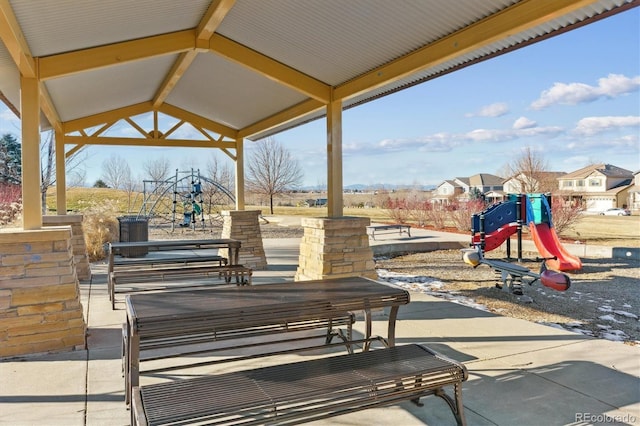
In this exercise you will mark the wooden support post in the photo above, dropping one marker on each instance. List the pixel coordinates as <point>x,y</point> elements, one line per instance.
<point>61,181</point>
<point>334,159</point>
<point>30,115</point>
<point>240,174</point>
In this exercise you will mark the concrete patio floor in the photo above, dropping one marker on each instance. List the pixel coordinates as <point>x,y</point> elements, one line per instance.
<point>521,373</point>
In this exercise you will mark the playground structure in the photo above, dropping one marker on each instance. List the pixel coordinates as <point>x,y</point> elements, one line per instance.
<point>495,226</point>
<point>187,200</point>
<point>513,276</point>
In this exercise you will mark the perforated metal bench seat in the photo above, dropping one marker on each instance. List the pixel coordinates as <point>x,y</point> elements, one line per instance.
<point>241,273</point>
<point>303,391</point>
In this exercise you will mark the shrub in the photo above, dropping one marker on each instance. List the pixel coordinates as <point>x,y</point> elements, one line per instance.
<point>10,203</point>
<point>419,211</point>
<point>461,213</point>
<point>397,209</point>
<point>564,214</point>
<point>437,216</point>
<point>100,226</point>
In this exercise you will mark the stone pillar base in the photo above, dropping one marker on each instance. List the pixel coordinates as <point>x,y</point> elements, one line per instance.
<point>243,225</point>
<point>335,248</point>
<point>80,255</point>
<point>40,309</point>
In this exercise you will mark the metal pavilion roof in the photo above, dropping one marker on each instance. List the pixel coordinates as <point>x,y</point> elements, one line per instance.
<point>252,68</point>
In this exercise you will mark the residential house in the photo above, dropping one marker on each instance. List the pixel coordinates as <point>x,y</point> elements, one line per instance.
<point>460,188</point>
<point>538,182</point>
<point>597,187</point>
<point>490,186</point>
<point>448,190</point>
<point>484,182</point>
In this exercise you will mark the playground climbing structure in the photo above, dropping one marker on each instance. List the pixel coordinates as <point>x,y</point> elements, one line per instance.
<point>187,200</point>
<point>495,226</point>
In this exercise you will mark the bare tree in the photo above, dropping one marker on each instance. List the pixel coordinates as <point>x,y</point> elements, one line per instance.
<point>77,178</point>
<point>116,172</point>
<point>271,170</point>
<point>221,173</point>
<point>131,185</point>
<point>530,170</point>
<point>158,169</point>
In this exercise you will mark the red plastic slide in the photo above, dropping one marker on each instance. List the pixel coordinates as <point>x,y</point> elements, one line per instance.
<point>548,244</point>
<point>496,238</point>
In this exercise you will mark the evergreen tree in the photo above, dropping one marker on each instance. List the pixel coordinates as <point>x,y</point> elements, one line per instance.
<point>10,159</point>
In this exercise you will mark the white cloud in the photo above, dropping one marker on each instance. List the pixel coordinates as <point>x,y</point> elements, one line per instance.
<point>439,142</point>
<point>494,110</point>
<point>590,126</point>
<point>575,93</point>
<point>524,123</point>
<point>446,142</point>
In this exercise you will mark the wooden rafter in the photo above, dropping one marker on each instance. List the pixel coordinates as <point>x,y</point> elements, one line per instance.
<point>208,25</point>
<point>270,68</point>
<point>69,63</point>
<point>519,17</point>
<point>147,142</point>
<point>289,114</point>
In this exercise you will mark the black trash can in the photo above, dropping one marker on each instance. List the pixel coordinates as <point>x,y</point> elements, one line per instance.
<point>132,229</point>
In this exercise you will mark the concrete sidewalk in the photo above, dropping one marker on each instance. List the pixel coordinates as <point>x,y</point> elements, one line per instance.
<point>520,373</point>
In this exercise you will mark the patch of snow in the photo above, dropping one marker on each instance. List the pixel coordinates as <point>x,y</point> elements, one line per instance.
<point>615,335</point>
<point>552,324</point>
<point>610,318</point>
<point>626,314</point>
<point>436,288</point>
<point>428,285</point>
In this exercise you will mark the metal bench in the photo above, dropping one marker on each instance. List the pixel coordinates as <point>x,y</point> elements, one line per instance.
<point>377,229</point>
<point>303,391</point>
<point>242,275</point>
<point>183,340</point>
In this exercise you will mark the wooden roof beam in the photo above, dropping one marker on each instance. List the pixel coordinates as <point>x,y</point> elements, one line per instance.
<point>69,63</point>
<point>270,68</point>
<point>207,26</point>
<point>289,114</point>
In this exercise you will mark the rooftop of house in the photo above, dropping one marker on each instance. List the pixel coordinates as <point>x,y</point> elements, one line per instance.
<point>606,169</point>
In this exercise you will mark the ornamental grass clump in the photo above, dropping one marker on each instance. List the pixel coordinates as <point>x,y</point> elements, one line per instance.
<point>100,225</point>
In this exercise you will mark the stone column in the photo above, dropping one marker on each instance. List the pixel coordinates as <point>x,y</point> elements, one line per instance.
<point>243,225</point>
<point>40,309</point>
<point>80,255</point>
<point>335,248</point>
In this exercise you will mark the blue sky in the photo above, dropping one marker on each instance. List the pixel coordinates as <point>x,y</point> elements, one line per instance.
<point>574,98</point>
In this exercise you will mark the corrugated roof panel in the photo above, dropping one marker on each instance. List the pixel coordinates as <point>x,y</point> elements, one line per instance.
<point>335,41</point>
<point>54,26</point>
<point>332,40</point>
<point>556,25</point>
<point>230,94</point>
<point>105,89</point>
<point>9,77</point>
